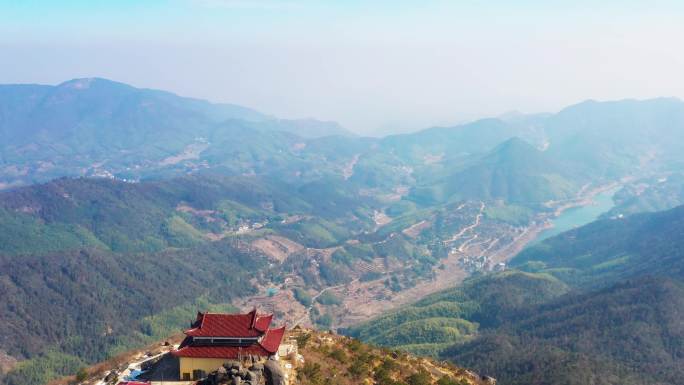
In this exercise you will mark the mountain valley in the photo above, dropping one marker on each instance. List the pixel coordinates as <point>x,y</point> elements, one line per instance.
<point>124,210</point>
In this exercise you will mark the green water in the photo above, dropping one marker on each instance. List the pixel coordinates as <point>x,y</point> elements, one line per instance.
<point>579,216</point>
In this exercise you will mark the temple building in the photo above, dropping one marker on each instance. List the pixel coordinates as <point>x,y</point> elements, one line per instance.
<point>215,339</point>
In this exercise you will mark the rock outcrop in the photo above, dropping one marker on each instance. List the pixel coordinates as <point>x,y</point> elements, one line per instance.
<point>234,373</point>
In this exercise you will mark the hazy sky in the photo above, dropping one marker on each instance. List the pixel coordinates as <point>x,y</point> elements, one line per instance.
<point>370,65</point>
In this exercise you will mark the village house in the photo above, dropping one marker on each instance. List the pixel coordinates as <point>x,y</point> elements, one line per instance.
<point>215,339</point>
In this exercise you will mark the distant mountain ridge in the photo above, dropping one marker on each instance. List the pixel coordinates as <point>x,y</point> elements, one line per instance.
<point>515,171</point>
<point>72,105</point>
<point>97,127</point>
<point>98,97</point>
<point>97,124</point>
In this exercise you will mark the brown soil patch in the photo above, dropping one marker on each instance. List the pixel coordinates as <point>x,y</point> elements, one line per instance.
<point>7,362</point>
<point>277,247</point>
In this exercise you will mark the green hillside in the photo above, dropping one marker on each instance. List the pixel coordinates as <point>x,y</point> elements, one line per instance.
<point>63,310</point>
<point>455,315</point>
<point>514,171</point>
<point>128,217</point>
<point>630,333</point>
<point>650,194</point>
<point>89,266</point>
<point>610,250</point>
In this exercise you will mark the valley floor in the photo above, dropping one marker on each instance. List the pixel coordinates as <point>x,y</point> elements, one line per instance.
<point>362,301</point>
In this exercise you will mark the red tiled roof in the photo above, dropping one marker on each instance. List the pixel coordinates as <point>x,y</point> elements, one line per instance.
<point>263,322</point>
<point>186,341</point>
<point>272,339</point>
<point>230,325</point>
<point>227,352</point>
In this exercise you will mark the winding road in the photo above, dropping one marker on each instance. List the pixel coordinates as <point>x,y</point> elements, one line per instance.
<point>478,217</point>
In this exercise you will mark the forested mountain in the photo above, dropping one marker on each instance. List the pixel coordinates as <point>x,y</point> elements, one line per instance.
<point>97,126</point>
<point>536,158</point>
<point>90,266</point>
<point>630,333</point>
<point>452,142</point>
<point>514,171</point>
<point>610,250</point>
<point>124,115</point>
<point>66,309</point>
<point>103,128</point>
<point>455,315</point>
<point>149,216</point>
<point>599,304</point>
<point>654,193</point>
<point>617,137</point>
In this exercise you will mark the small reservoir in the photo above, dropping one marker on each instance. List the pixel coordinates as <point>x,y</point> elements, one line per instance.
<point>579,216</point>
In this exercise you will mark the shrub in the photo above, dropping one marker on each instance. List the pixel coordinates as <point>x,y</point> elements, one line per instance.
<point>302,296</point>
<point>338,355</point>
<point>421,377</point>
<point>328,298</point>
<point>302,340</point>
<point>311,372</point>
<point>81,375</point>
<point>446,380</point>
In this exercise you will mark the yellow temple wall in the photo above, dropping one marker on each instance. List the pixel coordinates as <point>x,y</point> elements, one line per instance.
<point>188,364</point>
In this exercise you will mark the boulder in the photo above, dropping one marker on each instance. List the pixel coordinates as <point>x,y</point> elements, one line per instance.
<point>250,375</point>
<point>211,379</point>
<point>222,375</point>
<point>112,376</point>
<point>274,373</point>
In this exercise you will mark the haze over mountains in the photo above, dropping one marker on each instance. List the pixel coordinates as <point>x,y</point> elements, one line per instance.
<point>99,127</point>
<point>114,196</point>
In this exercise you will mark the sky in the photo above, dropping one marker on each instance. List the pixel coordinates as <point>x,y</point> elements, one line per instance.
<point>375,67</point>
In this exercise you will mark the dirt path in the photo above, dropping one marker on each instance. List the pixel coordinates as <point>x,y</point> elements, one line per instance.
<point>415,229</point>
<point>348,170</point>
<point>478,218</point>
<point>465,244</point>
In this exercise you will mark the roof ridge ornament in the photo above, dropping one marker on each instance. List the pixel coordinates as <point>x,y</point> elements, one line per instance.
<point>254,317</point>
